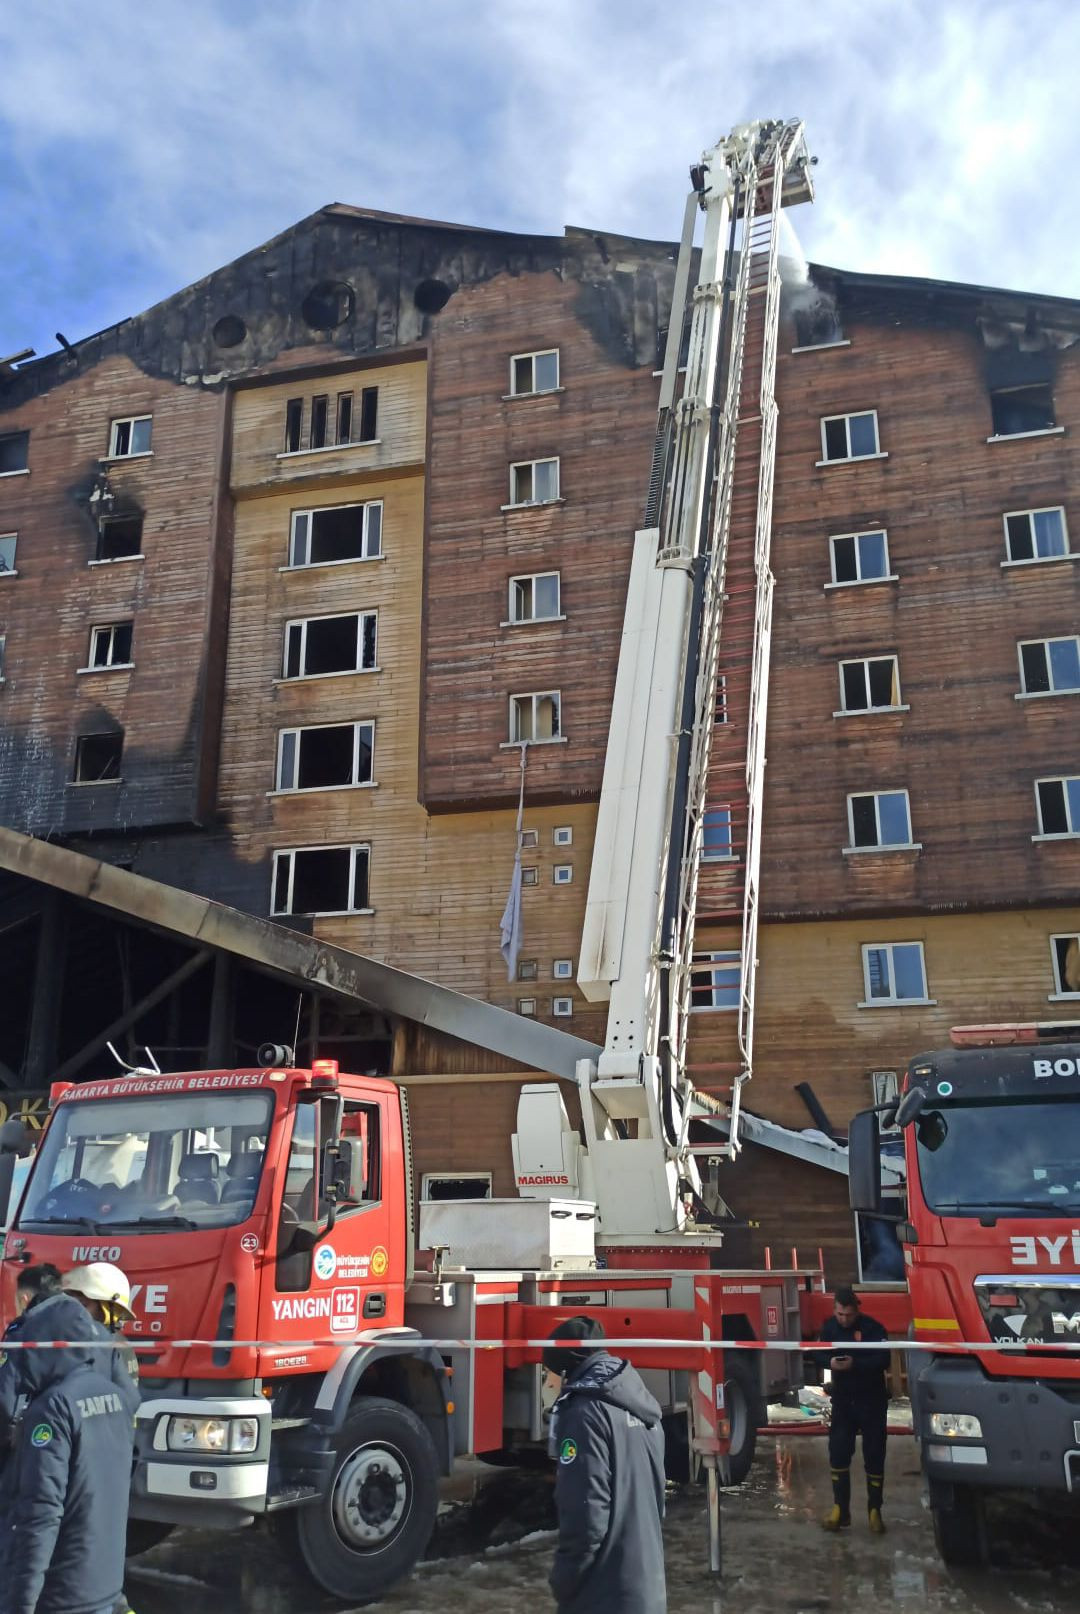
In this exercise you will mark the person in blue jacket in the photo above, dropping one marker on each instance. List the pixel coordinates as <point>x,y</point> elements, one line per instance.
<point>66,1518</point>
<point>608,1439</point>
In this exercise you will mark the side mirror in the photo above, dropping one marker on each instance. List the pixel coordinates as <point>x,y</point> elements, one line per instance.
<point>348,1171</point>
<point>912,1103</point>
<point>864,1162</point>
<point>17,1139</point>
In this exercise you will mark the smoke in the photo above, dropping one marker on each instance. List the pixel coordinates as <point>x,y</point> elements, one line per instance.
<point>814,309</point>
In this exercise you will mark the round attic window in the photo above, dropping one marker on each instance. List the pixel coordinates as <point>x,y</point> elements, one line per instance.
<point>328,305</point>
<point>431,295</point>
<point>229,331</point>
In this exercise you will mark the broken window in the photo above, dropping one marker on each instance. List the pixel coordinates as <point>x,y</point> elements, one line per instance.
<point>327,757</point>
<point>110,645</point>
<point>14,452</point>
<point>894,972</point>
<point>294,425</point>
<point>321,645</point>
<point>818,324</point>
<point>120,537</point>
<point>1058,802</point>
<point>1017,410</point>
<point>1036,534</point>
<point>535,718</point>
<point>716,842</point>
<point>1049,666</point>
<point>344,417</point>
<point>97,757</point>
<point>535,598</point>
<point>319,408</point>
<point>870,685</point>
<point>130,437</point>
<point>859,557</point>
<point>714,980</point>
<point>1065,953</point>
<point>338,533</point>
<point>466,1185</point>
<point>369,414</point>
<point>534,482</point>
<point>7,552</point>
<point>720,712</point>
<point>881,819</point>
<point>321,880</point>
<point>534,372</point>
<point>849,437</point>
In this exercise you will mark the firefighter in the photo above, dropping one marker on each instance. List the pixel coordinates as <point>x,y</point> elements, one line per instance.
<point>607,1438</point>
<point>860,1405</point>
<point>103,1290</point>
<point>68,1496</point>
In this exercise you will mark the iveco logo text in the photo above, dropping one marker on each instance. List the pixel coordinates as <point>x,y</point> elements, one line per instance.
<point>1056,1067</point>
<point>95,1252</point>
<point>1027,1252</point>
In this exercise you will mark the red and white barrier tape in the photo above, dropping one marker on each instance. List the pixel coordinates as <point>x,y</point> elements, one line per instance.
<point>1019,1347</point>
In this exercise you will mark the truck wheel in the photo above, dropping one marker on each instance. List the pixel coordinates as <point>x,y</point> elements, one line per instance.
<point>960,1530</point>
<point>379,1511</point>
<point>745,1410</point>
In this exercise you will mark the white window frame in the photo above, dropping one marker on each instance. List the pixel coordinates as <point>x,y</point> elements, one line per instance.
<point>1043,694</point>
<point>846,459</point>
<point>527,1007</point>
<point>1061,988</point>
<point>297,733</point>
<point>562,969</point>
<point>562,1008</point>
<point>515,621</point>
<point>1064,780</point>
<point>533,696</point>
<point>11,538</point>
<point>728,962</point>
<point>534,391</point>
<point>892,1001</point>
<point>531,504</point>
<point>530,875</point>
<point>107,628</point>
<point>130,421</point>
<point>366,505</point>
<point>355,848</point>
<point>718,857</point>
<point>529,839</point>
<point>858,581</point>
<point>302,622</point>
<point>1035,559</point>
<point>844,710</point>
<point>562,835</point>
<point>562,874</point>
<point>879,845</point>
<point>21,470</point>
<point>98,734</point>
<point>430,1177</point>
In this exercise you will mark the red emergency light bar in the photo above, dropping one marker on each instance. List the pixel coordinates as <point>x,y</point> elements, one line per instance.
<point>1008,1035</point>
<point>324,1073</point>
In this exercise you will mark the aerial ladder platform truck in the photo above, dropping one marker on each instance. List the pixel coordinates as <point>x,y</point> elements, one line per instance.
<point>308,1354</point>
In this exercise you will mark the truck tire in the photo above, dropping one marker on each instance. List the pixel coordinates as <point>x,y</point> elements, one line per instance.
<point>745,1410</point>
<point>960,1530</point>
<point>379,1511</point>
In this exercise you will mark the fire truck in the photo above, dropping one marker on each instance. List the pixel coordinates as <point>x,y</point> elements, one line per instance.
<point>991,1236</point>
<point>308,1353</point>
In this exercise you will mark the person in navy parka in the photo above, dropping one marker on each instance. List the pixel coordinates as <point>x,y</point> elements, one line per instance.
<point>66,1520</point>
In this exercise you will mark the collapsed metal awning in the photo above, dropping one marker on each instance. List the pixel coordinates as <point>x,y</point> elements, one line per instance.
<point>293,957</point>
<point>812,1146</point>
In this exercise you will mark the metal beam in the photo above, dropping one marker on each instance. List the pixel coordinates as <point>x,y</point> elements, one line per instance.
<point>43,1039</point>
<point>130,1016</point>
<point>271,947</point>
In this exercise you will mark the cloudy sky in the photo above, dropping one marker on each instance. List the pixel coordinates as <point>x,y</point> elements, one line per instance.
<point>148,143</point>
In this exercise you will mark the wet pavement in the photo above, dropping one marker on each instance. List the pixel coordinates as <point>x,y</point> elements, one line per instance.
<point>777,1560</point>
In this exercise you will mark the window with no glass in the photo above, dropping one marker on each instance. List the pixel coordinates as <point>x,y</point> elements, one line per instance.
<point>120,537</point>
<point>110,645</point>
<point>535,719</point>
<point>317,646</point>
<point>716,844</point>
<point>1065,955</point>
<point>465,1185</point>
<point>534,372</point>
<point>331,756</point>
<point>859,557</point>
<point>534,482</point>
<point>534,598</point>
<point>97,757</point>
<point>881,819</point>
<point>714,981</point>
<point>8,544</point>
<point>1017,410</point>
<point>894,972</point>
<point>321,880</point>
<point>14,453</point>
<point>323,422</point>
<point>1036,534</point>
<point>130,436</point>
<point>1058,802</point>
<point>849,437</point>
<point>1049,666</point>
<point>336,533</point>
<point>870,685</point>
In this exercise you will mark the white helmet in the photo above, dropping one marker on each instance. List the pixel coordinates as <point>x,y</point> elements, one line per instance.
<point>100,1281</point>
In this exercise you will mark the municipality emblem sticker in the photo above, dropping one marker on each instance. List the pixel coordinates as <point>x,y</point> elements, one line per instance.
<point>568,1450</point>
<point>325,1261</point>
<point>41,1435</point>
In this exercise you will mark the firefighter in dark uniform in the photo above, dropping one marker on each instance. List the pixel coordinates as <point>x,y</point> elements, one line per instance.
<point>860,1406</point>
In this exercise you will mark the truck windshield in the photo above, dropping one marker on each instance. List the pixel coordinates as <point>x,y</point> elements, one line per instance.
<point>186,1161</point>
<point>1006,1158</point>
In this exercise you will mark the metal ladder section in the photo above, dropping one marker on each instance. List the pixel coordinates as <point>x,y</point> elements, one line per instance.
<point>737,617</point>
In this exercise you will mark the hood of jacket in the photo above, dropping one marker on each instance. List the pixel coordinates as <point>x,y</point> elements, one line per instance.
<point>611,1379</point>
<point>59,1317</point>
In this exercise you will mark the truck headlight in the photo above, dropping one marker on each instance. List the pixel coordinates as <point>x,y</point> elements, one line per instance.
<point>219,1435</point>
<point>955,1425</point>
